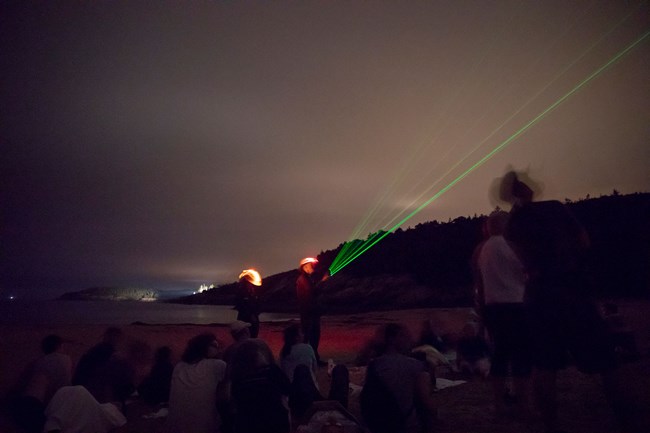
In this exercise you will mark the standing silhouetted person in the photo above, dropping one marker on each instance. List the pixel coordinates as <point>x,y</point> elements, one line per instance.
<point>247,303</point>
<point>501,284</point>
<point>564,321</point>
<point>310,309</point>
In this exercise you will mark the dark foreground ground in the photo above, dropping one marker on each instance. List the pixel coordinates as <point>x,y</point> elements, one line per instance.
<point>465,408</point>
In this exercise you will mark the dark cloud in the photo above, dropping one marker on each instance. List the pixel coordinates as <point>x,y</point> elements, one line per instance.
<point>169,144</point>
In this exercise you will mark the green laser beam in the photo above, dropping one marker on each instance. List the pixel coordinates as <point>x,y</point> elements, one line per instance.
<point>462,93</point>
<point>354,246</point>
<point>512,116</point>
<point>387,221</point>
<point>374,240</point>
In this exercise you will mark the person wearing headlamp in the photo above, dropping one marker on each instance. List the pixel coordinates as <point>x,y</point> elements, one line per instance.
<point>247,302</point>
<point>310,310</point>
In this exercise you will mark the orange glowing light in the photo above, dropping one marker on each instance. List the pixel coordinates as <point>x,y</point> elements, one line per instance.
<point>307,260</point>
<point>252,276</point>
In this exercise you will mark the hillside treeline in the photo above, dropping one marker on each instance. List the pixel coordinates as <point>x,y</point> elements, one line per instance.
<point>430,264</point>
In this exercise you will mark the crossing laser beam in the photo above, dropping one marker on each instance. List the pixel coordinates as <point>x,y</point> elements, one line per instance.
<point>354,251</point>
<point>450,170</point>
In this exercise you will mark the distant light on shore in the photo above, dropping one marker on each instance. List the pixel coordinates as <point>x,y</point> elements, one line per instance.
<point>203,288</point>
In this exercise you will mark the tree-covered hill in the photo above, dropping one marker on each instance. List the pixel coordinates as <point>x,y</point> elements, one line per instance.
<point>430,264</point>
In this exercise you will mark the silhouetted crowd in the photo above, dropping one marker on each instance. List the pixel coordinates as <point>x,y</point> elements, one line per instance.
<point>243,387</point>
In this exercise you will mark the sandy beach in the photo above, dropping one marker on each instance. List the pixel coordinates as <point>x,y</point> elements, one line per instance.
<point>462,409</point>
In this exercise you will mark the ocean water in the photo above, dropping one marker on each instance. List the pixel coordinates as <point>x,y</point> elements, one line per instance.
<point>118,313</point>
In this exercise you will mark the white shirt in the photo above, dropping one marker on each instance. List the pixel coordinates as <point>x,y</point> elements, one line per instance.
<point>193,396</point>
<point>301,353</point>
<point>501,271</point>
<point>74,410</point>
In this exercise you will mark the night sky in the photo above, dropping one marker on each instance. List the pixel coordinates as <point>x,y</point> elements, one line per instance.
<point>170,144</point>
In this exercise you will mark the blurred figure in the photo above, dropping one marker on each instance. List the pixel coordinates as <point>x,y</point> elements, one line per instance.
<point>196,387</point>
<point>259,390</point>
<point>247,303</point>
<point>429,349</point>
<point>240,332</point>
<point>39,383</point>
<point>429,337</point>
<point>97,355</point>
<point>138,355</point>
<point>473,353</point>
<point>310,310</point>
<point>155,388</point>
<point>303,392</point>
<point>104,370</point>
<point>305,399</point>
<point>340,385</point>
<point>396,396</point>
<point>294,353</point>
<point>552,246</point>
<point>621,336</point>
<point>74,410</point>
<point>501,283</point>
<point>374,347</point>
